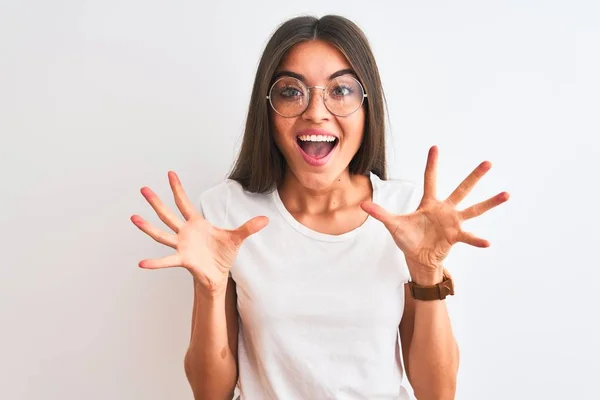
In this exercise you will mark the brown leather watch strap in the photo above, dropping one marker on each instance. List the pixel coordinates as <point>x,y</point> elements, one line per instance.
<point>435,292</point>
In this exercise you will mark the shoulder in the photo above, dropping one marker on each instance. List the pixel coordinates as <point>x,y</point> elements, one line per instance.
<point>228,189</point>
<point>401,194</point>
<point>217,193</point>
<point>215,202</point>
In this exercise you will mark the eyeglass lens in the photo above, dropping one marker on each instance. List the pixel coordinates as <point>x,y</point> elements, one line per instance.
<point>290,97</point>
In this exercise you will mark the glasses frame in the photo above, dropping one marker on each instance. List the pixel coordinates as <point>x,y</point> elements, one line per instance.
<point>362,100</point>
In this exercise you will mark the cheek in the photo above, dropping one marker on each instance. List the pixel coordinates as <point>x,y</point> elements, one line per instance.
<point>354,127</point>
<point>281,128</point>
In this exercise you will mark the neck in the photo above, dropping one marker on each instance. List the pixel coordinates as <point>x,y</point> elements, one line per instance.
<point>312,196</point>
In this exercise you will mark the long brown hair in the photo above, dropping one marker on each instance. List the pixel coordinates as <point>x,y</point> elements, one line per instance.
<point>260,165</point>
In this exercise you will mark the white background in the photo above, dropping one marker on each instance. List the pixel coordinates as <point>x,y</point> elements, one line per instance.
<point>101,98</point>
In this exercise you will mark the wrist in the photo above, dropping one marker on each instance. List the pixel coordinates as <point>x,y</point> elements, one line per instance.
<point>425,275</point>
<point>431,285</point>
<point>215,295</point>
<point>428,278</point>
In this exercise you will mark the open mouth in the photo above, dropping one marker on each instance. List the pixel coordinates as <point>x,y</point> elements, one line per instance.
<point>317,148</point>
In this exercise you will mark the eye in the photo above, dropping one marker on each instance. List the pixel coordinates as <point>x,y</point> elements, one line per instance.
<point>290,91</point>
<point>341,91</point>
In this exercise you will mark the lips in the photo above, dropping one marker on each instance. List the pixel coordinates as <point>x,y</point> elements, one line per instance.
<point>316,153</point>
<point>321,159</point>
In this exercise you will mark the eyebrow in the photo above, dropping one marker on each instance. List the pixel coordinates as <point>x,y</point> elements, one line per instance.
<point>303,78</point>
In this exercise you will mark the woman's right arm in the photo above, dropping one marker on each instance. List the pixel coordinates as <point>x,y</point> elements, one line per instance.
<point>207,252</point>
<point>211,359</point>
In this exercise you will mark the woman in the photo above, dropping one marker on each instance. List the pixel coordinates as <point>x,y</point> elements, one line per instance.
<point>307,262</point>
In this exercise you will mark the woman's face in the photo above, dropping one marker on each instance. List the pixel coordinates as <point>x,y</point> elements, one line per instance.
<point>318,164</point>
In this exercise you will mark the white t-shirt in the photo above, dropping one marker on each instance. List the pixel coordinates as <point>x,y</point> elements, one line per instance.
<point>319,313</point>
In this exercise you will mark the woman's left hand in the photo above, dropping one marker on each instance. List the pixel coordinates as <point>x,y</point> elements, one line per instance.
<point>426,235</point>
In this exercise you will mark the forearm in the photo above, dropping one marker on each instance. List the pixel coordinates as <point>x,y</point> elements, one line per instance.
<point>209,364</point>
<point>433,353</point>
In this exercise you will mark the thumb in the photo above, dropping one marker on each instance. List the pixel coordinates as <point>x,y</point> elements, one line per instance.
<point>379,213</point>
<point>249,228</point>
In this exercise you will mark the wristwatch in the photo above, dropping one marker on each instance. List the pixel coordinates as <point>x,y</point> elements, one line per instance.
<point>435,292</point>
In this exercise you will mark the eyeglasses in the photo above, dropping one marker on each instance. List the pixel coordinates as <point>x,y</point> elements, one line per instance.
<point>342,96</point>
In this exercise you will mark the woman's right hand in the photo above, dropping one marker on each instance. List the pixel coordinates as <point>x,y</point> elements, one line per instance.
<point>207,251</point>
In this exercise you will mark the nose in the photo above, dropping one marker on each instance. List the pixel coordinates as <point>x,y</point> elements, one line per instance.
<point>316,110</point>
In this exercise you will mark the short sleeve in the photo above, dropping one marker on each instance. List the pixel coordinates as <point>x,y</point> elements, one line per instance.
<point>415,197</point>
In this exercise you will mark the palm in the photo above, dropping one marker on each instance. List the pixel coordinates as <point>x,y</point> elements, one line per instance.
<point>426,235</point>
<point>205,250</point>
<point>201,244</point>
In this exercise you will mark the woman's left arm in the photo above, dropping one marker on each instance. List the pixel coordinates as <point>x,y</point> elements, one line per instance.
<point>429,350</point>
<point>425,236</point>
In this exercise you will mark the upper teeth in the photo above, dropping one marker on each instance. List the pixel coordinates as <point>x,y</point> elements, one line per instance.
<point>316,138</point>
